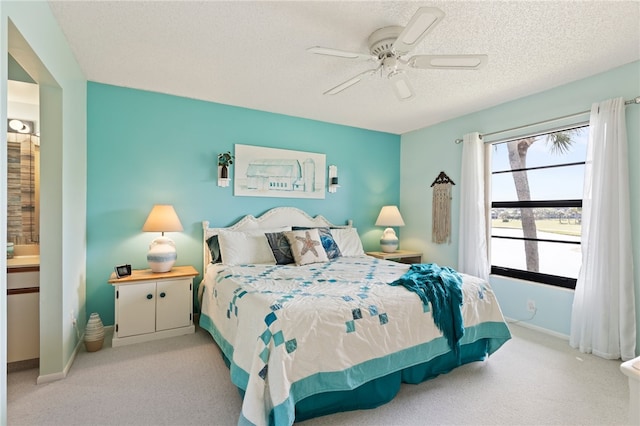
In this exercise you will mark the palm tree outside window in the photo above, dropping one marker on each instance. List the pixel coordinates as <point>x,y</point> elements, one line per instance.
<point>536,206</point>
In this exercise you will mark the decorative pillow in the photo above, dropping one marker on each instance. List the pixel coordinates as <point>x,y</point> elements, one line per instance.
<point>349,241</point>
<point>306,246</point>
<point>214,249</point>
<point>280,247</point>
<point>241,248</point>
<point>328,243</point>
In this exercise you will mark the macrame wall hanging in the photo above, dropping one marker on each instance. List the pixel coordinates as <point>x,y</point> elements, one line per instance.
<point>441,217</point>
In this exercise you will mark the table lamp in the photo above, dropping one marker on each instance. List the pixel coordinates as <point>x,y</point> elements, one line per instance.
<point>389,216</point>
<point>162,250</point>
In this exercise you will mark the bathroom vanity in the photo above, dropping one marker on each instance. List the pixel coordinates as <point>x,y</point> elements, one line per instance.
<point>23,308</point>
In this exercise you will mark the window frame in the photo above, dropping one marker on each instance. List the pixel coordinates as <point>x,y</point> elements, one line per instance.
<point>538,277</point>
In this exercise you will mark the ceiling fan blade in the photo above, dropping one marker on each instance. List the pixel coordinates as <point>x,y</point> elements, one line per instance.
<point>448,62</point>
<point>345,85</point>
<point>423,21</point>
<point>339,53</point>
<point>401,86</point>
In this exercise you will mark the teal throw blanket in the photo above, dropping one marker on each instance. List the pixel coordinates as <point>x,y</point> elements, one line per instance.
<point>442,287</point>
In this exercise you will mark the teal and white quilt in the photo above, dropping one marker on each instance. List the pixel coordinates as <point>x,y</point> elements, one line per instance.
<point>294,331</point>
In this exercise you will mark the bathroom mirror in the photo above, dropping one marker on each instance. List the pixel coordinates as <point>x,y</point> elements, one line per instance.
<point>23,159</point>
<point>23,188</point>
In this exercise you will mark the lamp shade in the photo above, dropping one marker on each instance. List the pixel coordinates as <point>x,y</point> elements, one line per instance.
<point>389,216</point>
<point>162,250</point>
<point>163,218</point>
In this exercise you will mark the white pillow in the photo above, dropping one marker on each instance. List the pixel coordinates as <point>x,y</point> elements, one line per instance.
<point>241,248</point>
<point>348,241</point>
<point>306,246</point>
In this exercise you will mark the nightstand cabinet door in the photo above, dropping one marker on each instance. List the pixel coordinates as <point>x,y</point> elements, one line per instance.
<point>173,304</point>
<point>136,309</point>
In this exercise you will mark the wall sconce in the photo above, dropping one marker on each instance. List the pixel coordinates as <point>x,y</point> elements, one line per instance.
<point>225,160</point>
<point>333,179</point>
<point>19,126</point>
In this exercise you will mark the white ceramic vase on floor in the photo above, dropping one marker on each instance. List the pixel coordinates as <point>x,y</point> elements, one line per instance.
<point>94,333</point>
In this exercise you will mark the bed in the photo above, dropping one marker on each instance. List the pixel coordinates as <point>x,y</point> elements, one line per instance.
<point>326,333</point>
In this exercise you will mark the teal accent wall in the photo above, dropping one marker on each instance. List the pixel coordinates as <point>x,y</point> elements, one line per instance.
<point>147,148</point>
<point>425,152</point>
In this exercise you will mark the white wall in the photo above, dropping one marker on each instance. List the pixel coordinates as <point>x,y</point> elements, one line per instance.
<point>29,31</point>
<point>428,151</point>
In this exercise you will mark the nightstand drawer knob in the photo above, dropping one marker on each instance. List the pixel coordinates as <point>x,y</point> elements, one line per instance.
<point>149,296</point>
<point>163,294</point>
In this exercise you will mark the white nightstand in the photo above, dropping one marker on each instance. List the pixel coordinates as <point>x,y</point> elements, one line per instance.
<point>402,256</point>
<point>151,306</point>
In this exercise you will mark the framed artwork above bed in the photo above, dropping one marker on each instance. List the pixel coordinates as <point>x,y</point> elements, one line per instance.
<point>272,172</point>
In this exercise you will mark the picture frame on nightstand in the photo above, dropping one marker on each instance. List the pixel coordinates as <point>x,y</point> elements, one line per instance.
<point>122,271</point>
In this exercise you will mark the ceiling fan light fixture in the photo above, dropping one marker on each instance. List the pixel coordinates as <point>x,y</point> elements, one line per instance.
<point>401,85</point>
<point>390,64</point>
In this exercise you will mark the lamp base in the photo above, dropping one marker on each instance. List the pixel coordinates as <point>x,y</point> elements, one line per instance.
<point>389,241</point>
<point>162,254</point>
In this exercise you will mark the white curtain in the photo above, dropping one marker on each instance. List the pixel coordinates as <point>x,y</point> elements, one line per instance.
<point>603,320</point>
<point>472,245</point>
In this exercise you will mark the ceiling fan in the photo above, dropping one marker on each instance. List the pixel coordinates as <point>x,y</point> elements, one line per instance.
<point>389,47</point>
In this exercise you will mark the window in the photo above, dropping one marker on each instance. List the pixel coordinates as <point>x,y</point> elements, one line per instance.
<point>536,206</point>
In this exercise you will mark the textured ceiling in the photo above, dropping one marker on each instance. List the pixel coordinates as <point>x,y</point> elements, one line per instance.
<point>253,54</point>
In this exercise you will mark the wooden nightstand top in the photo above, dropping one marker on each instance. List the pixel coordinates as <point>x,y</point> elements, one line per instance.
<point>413,256</point>
<point>146,275</point>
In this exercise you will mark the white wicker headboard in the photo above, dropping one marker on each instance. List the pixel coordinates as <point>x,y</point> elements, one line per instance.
<point>276,217</point>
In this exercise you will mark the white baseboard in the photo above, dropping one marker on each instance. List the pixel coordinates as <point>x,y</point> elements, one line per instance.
<point>48,378</point>
<point>538,328</point>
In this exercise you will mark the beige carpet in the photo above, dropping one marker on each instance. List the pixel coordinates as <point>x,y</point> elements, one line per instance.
<point>534,379</point>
